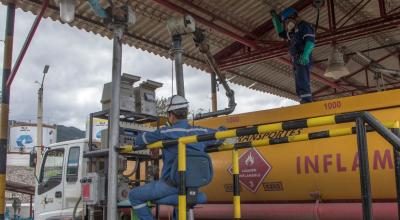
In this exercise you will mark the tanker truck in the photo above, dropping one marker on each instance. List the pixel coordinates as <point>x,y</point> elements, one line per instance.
<point>293,176</point>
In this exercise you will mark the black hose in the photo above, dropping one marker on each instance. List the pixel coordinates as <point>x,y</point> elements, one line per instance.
<point>75,208</point>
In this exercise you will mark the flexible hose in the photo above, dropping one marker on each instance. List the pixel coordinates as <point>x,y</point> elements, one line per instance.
<point>134,169</point>
<point>75,208</point>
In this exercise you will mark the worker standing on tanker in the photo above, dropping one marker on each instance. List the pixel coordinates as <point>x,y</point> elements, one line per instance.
<point>301,36</point>
<point>177,110</point>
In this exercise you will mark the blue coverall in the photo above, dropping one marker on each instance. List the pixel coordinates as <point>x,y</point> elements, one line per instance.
<point>160,189</point>
<point>303,32</point>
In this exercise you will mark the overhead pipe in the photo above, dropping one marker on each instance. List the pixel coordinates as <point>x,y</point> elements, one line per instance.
<point>27,43</point>
<point>204,48</point>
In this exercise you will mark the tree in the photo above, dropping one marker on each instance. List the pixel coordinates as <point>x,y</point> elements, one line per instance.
<point>161,106</point>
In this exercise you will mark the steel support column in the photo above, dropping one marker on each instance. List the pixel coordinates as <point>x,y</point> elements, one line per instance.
<point>213,92</point>
<point>365,180</point>
<point>112,211</point>
<point>177,53</point>
<point>27,43</point>
<point>5,100</point>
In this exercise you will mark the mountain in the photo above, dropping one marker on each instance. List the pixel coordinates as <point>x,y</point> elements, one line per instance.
<point>65,133</point>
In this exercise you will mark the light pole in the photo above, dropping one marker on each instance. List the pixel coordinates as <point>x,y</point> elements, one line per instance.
<point>39,128</point>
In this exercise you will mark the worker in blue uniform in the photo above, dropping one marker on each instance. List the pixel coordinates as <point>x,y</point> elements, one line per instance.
<point>301,37</point>
<point>157,190</point>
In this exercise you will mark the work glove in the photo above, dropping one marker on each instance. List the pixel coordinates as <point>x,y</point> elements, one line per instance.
<point>276,22</point>
<point>304,58</point>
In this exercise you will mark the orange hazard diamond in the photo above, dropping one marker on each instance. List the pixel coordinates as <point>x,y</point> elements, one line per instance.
<point>253,169</point>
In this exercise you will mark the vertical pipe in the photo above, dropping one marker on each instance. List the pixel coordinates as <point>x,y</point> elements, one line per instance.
<point>177,48</point>
<point>396,156</point>
<point>364,169</point>
<point>236,184</point>
<point>214,92</point>
<point>30,206</point>
<point>39,132</point>
<point>7,60</point>
<point>182,181</point>
<point>112,212</point>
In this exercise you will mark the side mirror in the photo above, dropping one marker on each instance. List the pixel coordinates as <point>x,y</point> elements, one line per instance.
<point>32,158</point>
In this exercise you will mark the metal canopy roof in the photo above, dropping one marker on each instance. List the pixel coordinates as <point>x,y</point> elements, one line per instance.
<point>243,41</point>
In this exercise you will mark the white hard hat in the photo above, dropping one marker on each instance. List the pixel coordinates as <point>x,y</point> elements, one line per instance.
<point>176,102</point>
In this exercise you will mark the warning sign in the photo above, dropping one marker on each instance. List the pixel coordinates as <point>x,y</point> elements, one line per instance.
<point>253,169</point>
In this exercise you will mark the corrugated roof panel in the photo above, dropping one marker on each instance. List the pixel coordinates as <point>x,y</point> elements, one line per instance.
<point>150,33</point>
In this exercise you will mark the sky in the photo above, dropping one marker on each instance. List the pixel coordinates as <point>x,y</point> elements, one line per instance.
<point>80,63</point>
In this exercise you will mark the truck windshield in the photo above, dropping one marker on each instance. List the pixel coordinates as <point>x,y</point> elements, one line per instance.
<point>52,167</point>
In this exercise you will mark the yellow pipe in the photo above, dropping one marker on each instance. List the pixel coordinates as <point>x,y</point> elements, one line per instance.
<point>182,207</point>
<point>157,144</point>
<point>4,120</point>
<point>269,128</point>
<point>188,139</point>
<point>236,198</point>
<point>235,161</point>
<point>225,134</point>
<point>301,137</point>
<point>340,132</point>
<point>236,212</point>
<point>313,122</point>
<point>182,168</point>
<point>181,156</point>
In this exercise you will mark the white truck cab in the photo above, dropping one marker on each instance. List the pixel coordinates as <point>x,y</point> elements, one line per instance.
<point>58,188</point>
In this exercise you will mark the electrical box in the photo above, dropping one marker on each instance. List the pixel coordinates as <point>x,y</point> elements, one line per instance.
<point>93,188</point>
<point>145,96</point>
<point>127,96</point>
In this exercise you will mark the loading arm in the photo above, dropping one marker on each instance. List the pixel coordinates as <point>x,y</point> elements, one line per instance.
<point>201,43</point>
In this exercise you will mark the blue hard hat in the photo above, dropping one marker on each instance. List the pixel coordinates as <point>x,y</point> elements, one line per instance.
<point>288,12</point>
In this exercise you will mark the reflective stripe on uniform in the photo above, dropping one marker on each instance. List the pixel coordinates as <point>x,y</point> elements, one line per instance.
<point>309,35</point>
<point>144,138</point>
<point>140,206</point>
<point>305,95</point>
<point>183,130</point>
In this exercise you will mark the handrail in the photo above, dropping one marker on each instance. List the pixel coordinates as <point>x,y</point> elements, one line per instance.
<point>295,138</point>
<point>260,129</point>
<point>360,130</point>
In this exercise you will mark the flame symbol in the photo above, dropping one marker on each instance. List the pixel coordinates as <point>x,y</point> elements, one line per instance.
<point>250,160</point>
